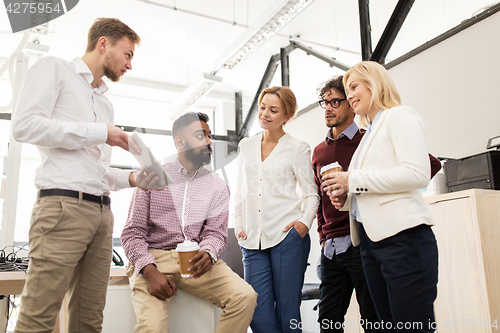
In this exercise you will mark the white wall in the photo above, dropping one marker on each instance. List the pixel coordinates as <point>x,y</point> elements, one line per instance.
<point>455,86</point>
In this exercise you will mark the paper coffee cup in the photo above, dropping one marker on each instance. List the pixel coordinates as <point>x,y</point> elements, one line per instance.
<point>332,167</point>
<point>186,251</point>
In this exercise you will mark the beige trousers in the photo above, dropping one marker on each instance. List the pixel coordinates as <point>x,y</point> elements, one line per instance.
<point>220,285</point>
<point>70,249</point>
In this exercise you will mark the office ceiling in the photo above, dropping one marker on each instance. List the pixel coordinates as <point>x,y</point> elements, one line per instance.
<point>178,46</point>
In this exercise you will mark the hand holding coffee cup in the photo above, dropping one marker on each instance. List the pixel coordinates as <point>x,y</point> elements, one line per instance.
<point>186,250</point>
<point>332,167</point>
<point>200,264</point>
<point>335,182</point>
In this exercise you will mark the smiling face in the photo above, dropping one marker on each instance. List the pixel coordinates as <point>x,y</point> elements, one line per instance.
<point>118,58</point>
<point>360,97</point>
<point>271,113</point>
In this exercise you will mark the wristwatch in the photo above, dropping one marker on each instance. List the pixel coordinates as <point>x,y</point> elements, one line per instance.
<point>213,257</point>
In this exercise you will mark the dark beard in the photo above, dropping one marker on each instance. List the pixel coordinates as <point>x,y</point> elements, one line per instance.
<point>108,72</point>
<point>199,158</point>
<point>111,75</point>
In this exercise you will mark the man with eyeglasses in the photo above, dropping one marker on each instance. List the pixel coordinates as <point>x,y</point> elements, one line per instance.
<point>341,267</point>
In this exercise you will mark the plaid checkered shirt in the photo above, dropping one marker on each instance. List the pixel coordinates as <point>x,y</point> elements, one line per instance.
<point>194,208</point>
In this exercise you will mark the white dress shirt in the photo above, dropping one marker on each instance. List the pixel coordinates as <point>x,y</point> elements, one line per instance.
<point>60,113</point>
<point>266,198</point>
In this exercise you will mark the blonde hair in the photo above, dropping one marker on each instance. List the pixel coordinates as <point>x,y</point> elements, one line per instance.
<point>286,96</point>
<point>376,79</point>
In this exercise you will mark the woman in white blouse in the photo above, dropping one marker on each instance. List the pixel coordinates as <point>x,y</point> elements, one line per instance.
<point>272,219</point>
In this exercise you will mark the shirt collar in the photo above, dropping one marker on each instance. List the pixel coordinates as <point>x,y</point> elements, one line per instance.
<point>82,69</point>
<point>283,137</point>
<point>377,117</point>
<point>182,170</point>
<point>350,132</point>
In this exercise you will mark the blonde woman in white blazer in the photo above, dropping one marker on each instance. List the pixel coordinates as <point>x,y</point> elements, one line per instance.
<point>389,217</point>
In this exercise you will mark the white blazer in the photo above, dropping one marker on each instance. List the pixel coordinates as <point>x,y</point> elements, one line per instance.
<point>393,166</point>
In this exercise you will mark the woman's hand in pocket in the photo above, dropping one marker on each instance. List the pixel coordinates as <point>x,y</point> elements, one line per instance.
<point>301,228</point>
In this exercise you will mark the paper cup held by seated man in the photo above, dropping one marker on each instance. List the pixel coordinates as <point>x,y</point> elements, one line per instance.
<point>186,251</point>
<point>332,167</point>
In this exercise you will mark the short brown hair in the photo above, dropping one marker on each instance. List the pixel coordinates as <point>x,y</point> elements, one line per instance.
<point>286,96</point>
<point>112,29</point>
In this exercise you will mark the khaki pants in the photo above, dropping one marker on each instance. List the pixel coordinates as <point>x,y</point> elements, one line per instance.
<point>70,246</point>
<point>220,285</point>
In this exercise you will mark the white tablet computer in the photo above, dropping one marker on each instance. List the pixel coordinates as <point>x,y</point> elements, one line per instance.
<point>147,160</point>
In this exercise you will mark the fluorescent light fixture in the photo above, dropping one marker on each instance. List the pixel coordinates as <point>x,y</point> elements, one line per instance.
<point>276,17</point>
<point>35,51</point>
<point>267,26</point>
<point>193,93</point>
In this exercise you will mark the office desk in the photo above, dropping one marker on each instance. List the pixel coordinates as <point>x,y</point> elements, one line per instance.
<point>12,283</point>
<point>467,229</point>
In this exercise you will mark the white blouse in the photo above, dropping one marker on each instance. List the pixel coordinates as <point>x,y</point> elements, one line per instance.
<point>266,198</point>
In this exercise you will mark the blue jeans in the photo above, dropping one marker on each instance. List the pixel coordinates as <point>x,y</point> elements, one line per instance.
<point>277,275</point>
<point>339,277</point>
<point>402,274</point>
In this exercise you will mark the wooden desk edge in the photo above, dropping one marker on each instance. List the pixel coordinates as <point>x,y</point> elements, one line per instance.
<point>12,283</point>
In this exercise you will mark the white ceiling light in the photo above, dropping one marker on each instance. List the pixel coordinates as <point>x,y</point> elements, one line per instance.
<point>276,17</point>
<point>267,26</point>
<point>193,93</point>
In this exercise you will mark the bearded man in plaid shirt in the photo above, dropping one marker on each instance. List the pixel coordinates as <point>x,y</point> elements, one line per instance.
<point>194,207</point>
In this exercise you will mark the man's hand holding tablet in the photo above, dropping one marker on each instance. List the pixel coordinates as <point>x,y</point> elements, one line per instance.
<point>152,175</point>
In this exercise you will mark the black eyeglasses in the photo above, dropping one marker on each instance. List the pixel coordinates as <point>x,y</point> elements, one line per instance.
<point>335,103</point>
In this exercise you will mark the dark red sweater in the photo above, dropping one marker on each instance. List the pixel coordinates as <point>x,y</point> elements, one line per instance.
<point>332,222</point>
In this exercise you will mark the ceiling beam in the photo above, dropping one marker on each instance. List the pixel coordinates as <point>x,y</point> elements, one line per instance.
<point>264,83</point>
<point>459,28</point>
<point>185,11</point>
<point>309,51</point>
<point>285,68</point>
<point>238,110</point>
<point>391,30</point>
<point>365,29</point>
<point>177,88</point>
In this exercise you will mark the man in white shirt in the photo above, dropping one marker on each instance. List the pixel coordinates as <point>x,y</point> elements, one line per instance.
<point>62,110</point>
